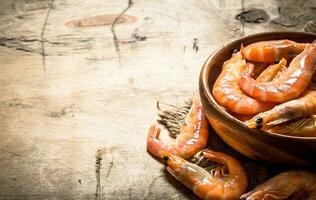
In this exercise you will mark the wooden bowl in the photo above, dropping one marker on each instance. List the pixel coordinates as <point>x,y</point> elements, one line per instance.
<point>253,143</point>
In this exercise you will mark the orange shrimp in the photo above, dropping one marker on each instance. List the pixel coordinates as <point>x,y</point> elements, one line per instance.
<point>192,138</point>
<point>273,50</point>
<point>289,85</point>
<point>267,74</point>
<point>304,128</point>
<point>216,185</point>
<point>287,185</point>
<point>227,92</point>
<point>271,72</point>
<point>299,108</point>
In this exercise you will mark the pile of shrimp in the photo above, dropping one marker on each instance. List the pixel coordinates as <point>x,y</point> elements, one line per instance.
<point>268,85</point>
<point>272,85</point>
<point>189,126</point>
<point>214,175</point>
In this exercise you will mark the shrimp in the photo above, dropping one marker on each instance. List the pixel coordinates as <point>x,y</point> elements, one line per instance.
<point>287,185</point>
<point>216,185</point>
<point>299,108</point>
<point>227,92</point>
<point>266,75</point>
<point>289,85</point>
<point>272,51</point>
<point>192,138</point>
<point>305,128</point>
<point>272,71</point>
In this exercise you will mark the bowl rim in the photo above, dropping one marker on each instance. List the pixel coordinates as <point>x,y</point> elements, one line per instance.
<point>218,108</point>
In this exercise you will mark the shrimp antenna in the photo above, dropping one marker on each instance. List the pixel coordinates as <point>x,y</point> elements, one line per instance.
<point>242,46</point>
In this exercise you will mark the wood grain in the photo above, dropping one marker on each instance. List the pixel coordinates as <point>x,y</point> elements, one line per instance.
<point>67,92</point>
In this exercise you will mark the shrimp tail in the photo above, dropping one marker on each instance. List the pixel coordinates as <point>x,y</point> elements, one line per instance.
<point>264,195</point>
<point>154,144</point>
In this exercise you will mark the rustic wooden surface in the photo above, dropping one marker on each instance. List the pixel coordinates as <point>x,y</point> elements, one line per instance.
<point>76,99</point>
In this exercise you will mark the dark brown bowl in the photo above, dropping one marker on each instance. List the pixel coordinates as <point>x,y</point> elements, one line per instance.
<point>253,143</point>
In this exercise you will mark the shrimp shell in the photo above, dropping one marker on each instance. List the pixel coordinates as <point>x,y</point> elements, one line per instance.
<point>192,138</point>
<point>273,50</point>
<point>272,71</point>
<point>287,185</point>
<point>228,94</point>
<point>302,107</point>
<point>305,128</point>
<point>217,185</point>
<point>288,85</point>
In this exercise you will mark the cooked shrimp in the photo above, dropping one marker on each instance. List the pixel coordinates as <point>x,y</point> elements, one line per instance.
<point>289,85</point>
<point>192,138</point>
<point>302,107</point>
<point>287,185</point>
<point>265,75</point>
<point>216,185</point>
<point>272,51</point>
<point>227,92</point>
<point>304,127</point>
<point>271,72</point>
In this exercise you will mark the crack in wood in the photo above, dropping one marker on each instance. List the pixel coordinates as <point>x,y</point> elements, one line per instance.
<point>151,185</point>
<point>98,158</point>
<point>15,103</point>
<point>295,16</point>
<point>311,27</point>
<point>115,38</point>
<point>195,45</point>
<point>284,25</point>
<point>243,22</point>
<point>63,112</point>
<point>97,173</point>
<point>254,15</point>
<point>110,168</point>
<point>23,44</point>
<point>50,7</point>
<point>25,49</point>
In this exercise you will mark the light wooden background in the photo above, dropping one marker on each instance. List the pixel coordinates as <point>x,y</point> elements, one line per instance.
<point>78,100</point>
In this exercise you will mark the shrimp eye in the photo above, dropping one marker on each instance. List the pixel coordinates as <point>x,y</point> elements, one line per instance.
<point>235,50</point>
<point>165,158</point>
<point>259,120</point>
<point>276,61</point>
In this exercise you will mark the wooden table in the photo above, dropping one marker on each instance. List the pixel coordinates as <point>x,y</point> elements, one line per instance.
<point>79,93</point>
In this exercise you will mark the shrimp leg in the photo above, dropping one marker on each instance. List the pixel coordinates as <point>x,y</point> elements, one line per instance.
<point>192,138</point>
<point>305,127</point>
<point>272,71</point>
